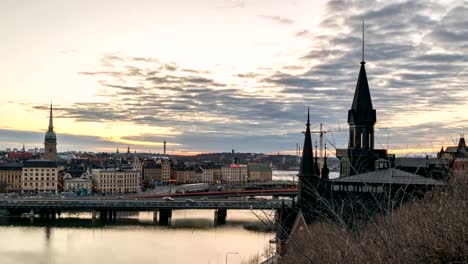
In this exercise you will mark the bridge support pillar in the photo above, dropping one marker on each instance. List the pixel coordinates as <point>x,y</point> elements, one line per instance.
<point>165,216</point>
<point>155,216</point>
<point>103,215</point>
<point>220,216</point>
<point>93,214</point>
<point>31,213</point>
<point>275,196</point>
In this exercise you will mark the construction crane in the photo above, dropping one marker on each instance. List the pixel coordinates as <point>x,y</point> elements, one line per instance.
<point>321,133</point>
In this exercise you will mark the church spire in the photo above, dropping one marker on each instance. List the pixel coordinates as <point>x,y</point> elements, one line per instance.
<point>362,110</point>
<point>307,161</point>
<point>51,121</point>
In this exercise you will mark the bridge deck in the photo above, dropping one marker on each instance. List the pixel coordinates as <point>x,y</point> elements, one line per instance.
<point>137,205</point>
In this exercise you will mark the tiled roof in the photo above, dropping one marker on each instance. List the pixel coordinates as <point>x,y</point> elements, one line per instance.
<point>388,176</point>
<point>420,162</point>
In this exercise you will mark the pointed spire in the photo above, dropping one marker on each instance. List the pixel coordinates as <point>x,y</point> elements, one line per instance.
<point>307,161</point>
<point>51,121</point>
<point>362,110</point>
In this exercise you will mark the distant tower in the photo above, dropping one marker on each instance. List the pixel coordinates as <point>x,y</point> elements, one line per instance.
<point>309,181</point>
<point>117,151</point>
<point>325,170</point>
<point>164,147</point>
<point>360,156</point>
<point>23,149</point>
<point>128,150</point>
<point>50,142</point>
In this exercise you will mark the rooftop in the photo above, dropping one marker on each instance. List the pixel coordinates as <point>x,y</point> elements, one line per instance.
<point>388,176</point>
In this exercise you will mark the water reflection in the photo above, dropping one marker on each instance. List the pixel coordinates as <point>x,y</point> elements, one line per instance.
<point>132,237</point>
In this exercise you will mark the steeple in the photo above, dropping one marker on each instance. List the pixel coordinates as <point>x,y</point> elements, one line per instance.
<point>51,121</point>
<point>50,140</point>
<point>307,161</point>
<point>362,115</point>
<point>362,110</point>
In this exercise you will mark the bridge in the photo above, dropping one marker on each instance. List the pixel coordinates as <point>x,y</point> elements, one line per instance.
<point>224,194</point>
<point>107,208</point>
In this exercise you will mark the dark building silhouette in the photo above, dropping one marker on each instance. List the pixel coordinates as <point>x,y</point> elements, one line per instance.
<point>50,141</point>
<point>309,180</point>
<point>360,157</point>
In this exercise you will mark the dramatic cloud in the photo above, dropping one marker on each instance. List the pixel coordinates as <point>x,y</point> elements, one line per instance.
<point>416,53</point>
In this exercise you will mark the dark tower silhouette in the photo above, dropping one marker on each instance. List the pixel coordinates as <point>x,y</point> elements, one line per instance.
<point>325,170</point>
<point>316,163</point>
<point>309,181</point>
<point>360,155</point>
<point>164,147</point>
<point>50,140</point>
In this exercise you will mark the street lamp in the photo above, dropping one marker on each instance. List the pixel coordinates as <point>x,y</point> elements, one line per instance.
<point>227,254</point>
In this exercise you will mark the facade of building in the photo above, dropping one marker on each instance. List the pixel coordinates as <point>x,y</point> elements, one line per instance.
<point>165,170</point>
<point>50,141</point>
<point>116,180</point>
<point>207,175</point>
<point>234,174</point>
<point>259,172</point>
<point>137,164</point>
<point>458,155</point>
<point>151,172</point>
<point>39,176</point>
<point>80,185</point>
<point>10,177</point>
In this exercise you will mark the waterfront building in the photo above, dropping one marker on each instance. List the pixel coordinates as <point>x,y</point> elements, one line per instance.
<point>39,176</point>
<point>116,180</point>
<point>151,172</point>
<point>137,164</point>
<point>50,141</point>
<point>80,185</point>
<point>207,175</point>
<point>259,172</point>
<point>10,177</point>
<point>165,170</point>
<point>235,173</point>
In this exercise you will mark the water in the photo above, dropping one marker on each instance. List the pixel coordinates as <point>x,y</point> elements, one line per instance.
<point>279,175</point>
<point>191,238</point>
<point>134,238</point>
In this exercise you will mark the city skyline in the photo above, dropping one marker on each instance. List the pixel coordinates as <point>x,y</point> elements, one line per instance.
<point>205,82</point>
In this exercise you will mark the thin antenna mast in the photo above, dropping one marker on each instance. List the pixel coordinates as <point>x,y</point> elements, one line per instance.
<point>363,40</point>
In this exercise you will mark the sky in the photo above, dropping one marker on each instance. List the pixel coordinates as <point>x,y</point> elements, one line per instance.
<point>216,75</point>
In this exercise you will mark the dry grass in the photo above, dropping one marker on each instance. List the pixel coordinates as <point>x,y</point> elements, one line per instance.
<point>431,230</point>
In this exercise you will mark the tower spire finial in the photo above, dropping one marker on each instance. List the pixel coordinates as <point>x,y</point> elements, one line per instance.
<point>362,61</point>
<point>308,118</point>
<point>51,122</point>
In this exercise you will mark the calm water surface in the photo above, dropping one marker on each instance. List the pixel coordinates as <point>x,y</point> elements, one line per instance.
<point>134,238</point>
<point>191,238</point>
